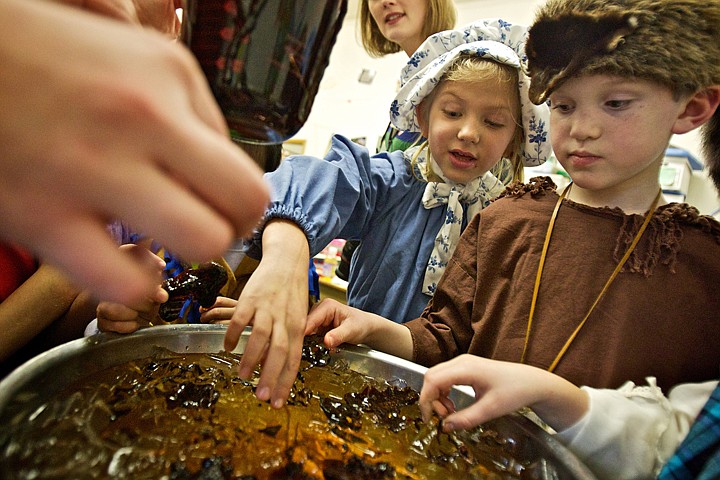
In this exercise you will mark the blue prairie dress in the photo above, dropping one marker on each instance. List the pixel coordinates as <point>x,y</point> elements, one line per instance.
<point>376,199</point>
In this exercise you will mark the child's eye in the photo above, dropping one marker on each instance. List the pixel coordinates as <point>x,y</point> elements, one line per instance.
<point>560,107</point>
<point>452,113</point>
<point>617,104</point>
<point>493,124</point>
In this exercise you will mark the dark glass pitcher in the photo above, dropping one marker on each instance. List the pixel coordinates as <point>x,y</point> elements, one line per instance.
<point>264,59</point>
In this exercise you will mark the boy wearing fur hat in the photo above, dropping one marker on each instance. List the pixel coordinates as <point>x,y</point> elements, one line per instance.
<point>466,92</point>
<point>604,65</point>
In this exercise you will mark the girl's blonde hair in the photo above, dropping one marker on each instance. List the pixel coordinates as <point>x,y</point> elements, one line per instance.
<point>471,68</point>
<point>441,15</point>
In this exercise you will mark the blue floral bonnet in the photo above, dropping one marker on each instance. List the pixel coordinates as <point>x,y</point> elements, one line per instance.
<point>494,39</point>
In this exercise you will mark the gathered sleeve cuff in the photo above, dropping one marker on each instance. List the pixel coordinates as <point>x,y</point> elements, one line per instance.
<point>331,197</point>
<point>253,246</point>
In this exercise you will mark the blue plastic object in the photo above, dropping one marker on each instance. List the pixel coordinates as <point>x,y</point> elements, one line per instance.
<point>680,152</point>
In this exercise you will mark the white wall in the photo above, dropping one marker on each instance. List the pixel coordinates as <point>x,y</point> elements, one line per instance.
<point>344,105</point>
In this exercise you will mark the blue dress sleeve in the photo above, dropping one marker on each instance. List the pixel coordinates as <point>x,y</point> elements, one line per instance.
<point>332,197</point>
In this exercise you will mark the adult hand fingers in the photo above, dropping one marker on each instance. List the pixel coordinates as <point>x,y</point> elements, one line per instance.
<point>120,277</point>
<point>174,215</point>
<point>230,181</point>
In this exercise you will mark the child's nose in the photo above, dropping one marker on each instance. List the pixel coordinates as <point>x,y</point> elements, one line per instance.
<point>584,126</point>
<point>469,131</point>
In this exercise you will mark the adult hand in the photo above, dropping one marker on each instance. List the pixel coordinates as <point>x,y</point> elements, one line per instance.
<point>275,302</point>
<point>121,318</point>
<point>500,388</point>
<point>158,14</point>
<point>101,121</point>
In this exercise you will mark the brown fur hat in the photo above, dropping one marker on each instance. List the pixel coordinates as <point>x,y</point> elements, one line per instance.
<point>673,42</point>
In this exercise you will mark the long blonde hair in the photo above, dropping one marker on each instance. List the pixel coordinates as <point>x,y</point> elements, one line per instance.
<point>473,69</point>
<point>441,15</point>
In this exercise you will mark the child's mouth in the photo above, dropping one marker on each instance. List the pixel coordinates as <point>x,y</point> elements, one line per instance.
<point>461,159</point>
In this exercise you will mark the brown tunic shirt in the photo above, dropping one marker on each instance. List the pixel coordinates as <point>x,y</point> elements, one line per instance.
<point>660,317</point>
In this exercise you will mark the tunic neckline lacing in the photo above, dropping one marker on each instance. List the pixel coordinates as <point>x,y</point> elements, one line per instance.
<point>614,274</point>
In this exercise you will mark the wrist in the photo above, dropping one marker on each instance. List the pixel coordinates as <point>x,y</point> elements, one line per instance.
<point>285,238</point>
<point>562,404</point>
<point>389,337</point>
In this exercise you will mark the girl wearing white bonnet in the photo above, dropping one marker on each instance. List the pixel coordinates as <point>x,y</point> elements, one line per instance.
<point>406,212</point>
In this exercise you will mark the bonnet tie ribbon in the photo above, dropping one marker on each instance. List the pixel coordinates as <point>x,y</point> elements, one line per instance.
<point>474,196</point>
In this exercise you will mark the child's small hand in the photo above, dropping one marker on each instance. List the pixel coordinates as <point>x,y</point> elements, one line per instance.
<point>352,325</point>
<point>221,311</point>
<point>120,318</point>
<point>343,324</point>
<point>500,388</point>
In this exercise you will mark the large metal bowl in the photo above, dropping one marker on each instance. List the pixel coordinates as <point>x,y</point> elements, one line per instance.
<point>39,379</point>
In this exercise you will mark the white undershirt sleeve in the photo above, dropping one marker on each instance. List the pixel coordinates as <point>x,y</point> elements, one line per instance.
<point>631,432</point>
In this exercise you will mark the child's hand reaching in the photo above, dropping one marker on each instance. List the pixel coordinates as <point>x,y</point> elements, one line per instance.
<point>500,388</point>
<point>275,302</point>
<point>342,324</point>
<point>221,311</point>
<point>351,325</point>
<point>120,318</point>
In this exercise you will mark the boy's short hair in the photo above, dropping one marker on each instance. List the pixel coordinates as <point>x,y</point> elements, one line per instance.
<point>440,15</point>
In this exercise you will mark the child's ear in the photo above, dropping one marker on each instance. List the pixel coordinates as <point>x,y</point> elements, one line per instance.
<point>422,118</point>
<point>699,108</point>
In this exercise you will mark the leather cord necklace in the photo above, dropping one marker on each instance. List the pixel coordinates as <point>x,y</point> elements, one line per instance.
<point>543,255</point>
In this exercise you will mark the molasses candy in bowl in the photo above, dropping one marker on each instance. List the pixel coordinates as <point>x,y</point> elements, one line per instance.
<point>167,402</point>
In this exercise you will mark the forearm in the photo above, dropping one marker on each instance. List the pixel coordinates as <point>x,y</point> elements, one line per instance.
<point>390,337</point>
<point>82,311</point>
<point>346,324</point>
<point>44,298</point>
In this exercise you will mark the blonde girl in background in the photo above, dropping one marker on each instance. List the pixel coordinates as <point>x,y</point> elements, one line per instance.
<point>391,26</point>
<point>387,27</point>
